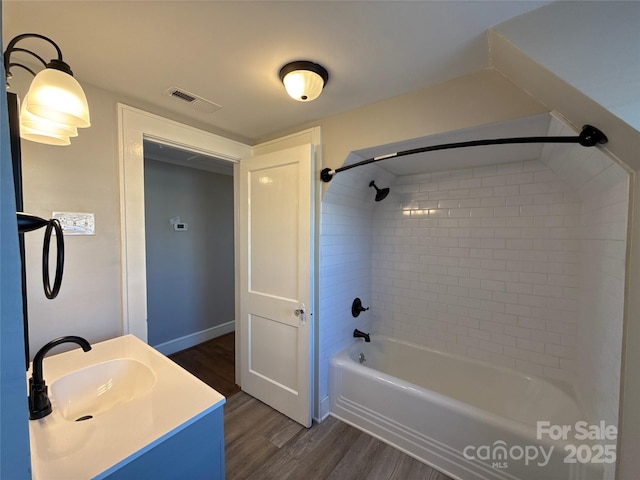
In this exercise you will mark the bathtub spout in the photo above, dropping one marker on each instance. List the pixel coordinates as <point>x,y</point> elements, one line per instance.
<point>358,334</point>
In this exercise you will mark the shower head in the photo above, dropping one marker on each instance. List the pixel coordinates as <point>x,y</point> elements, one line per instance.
<point>381,193</point>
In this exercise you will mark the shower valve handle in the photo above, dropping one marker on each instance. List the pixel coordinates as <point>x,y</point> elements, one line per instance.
<point>357,308</point>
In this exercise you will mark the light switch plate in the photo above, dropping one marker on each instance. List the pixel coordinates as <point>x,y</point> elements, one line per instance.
<point>75,223</point>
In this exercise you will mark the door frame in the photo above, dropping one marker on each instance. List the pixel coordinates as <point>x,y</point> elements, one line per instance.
<point>134,126</point>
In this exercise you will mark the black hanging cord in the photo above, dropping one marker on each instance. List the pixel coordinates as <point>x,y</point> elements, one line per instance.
<point>28,223</point>
<point>589,137</point>
<point>50,292</point>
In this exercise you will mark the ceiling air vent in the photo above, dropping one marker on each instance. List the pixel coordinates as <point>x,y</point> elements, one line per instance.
<point>197,102</point>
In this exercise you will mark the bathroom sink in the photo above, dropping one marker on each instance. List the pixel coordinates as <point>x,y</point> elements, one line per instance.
<point>111,407</point>
<point>96,389</point>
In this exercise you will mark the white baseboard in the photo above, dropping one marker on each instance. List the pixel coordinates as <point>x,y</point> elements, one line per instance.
<point>173,346</point>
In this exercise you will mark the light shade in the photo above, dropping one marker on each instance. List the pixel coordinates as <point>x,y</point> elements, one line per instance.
<point>57,96</point>
<point>304,80</point>
<point>43,137</point>
<point>33,122</point>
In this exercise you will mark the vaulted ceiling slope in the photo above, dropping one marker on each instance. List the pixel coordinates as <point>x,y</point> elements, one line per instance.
<point>230,52</point>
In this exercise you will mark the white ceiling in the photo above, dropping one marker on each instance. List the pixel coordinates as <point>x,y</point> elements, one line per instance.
<point>231,52</point>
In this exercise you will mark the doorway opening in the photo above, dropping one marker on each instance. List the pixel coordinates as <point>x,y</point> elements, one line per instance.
<point>189,246</point>
<point>189,249</point>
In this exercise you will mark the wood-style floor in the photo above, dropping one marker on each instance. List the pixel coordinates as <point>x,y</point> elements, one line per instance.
<point>263,444</point>
<point>213,362</point>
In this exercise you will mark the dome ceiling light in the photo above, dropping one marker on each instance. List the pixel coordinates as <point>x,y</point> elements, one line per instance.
<point>304,80</point>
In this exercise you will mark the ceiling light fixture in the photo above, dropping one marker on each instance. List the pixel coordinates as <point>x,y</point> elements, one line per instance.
<point>55,105</point>
<point>304,80</point>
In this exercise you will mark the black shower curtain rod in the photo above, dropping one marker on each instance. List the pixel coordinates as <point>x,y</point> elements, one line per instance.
<point>589,137</point>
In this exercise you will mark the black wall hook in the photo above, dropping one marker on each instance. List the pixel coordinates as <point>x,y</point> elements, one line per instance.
<point>356,307</point>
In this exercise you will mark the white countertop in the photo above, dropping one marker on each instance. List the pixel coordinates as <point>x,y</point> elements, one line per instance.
<point>65,450</point>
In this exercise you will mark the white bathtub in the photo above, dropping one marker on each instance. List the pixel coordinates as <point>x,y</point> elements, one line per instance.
<point>449,411</point>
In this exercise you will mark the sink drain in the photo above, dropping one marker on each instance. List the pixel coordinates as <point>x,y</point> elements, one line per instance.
<point>86,417</point>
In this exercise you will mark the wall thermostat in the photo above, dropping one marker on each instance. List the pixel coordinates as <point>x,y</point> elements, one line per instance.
<point>180,227</point>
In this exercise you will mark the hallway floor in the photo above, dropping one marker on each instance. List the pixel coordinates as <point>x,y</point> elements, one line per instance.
<point>263,444</point>
<point>213,362</point>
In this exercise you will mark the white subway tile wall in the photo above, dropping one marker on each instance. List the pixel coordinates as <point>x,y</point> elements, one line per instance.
<point>345,264</point>
<point>603,189</point>
<point>482,262</point>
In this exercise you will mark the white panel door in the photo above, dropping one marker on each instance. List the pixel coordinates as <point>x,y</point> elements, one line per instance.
<point>276,221</point>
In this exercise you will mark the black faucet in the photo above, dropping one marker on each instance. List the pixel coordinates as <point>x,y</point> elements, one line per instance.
<point>39,404</point>
<point>358,334</point>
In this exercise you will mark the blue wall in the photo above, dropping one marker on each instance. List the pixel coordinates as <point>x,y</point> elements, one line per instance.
<point>14,432</point>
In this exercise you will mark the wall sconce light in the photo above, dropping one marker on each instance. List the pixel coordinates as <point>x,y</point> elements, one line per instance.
<point>53,109</point>
<point>55,105</point>
<point>304,80</point>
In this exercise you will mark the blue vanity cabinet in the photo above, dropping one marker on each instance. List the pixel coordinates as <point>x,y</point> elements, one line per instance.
<point>194,452</point>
